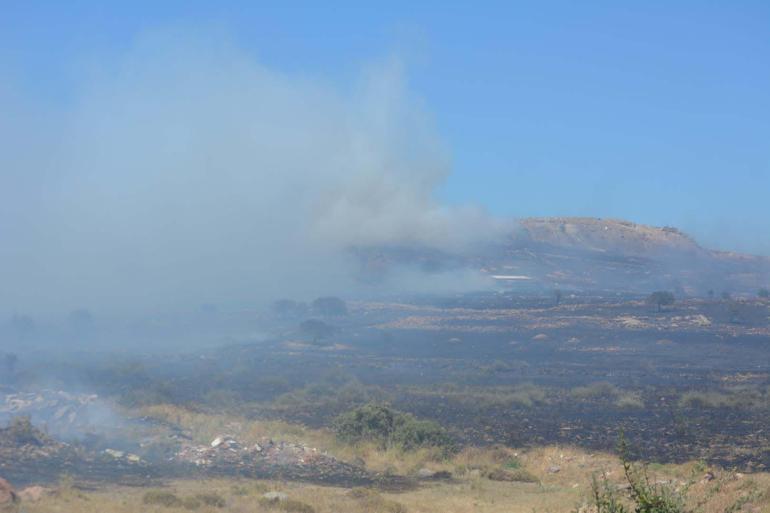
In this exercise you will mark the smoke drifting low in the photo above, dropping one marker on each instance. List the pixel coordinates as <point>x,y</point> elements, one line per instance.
<point>187,172</point>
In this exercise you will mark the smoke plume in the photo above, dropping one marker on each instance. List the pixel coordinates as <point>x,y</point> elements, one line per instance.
<point>184,171</point>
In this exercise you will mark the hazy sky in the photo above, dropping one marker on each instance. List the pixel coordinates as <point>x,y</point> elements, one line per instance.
<point>657,112</point>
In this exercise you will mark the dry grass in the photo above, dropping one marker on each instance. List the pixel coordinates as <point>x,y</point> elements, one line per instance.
<point>469,491</point>
<point>204,427</point>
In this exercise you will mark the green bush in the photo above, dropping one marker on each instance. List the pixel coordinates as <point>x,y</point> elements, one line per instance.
<point>21,432</point>
<point>390,428</point>
<point>288,505</point>
<point>599,390</point>
<point>211,499</point>
<point>519,475</point>
<point>645,496</point>
<point>366,423</point>
<point>411,434</point>
<point>371,501</point>
<point>162,498</point>
<point>191,503</point>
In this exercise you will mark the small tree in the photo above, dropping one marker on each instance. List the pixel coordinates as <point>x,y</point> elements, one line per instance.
<point>557,295</point>
<point>317,330</point>
<point>764,293</point>
<point>660,299</point>
<point>330,306</point>
<point>22,325</point>
<point>9,362</point>
<point>289,308</point>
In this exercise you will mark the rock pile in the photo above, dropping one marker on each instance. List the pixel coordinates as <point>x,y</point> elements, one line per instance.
<point>59,410</point>
<point>269,458</point>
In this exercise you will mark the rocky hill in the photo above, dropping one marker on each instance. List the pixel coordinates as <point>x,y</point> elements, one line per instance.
<point>592,254</point>
<point>605,235</point>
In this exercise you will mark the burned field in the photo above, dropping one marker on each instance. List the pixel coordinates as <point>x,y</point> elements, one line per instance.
<point>689,382</point>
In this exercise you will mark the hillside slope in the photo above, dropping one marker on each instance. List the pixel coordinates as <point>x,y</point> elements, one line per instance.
<point>591,254</point>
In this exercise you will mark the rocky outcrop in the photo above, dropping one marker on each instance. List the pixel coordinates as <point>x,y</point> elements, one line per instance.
<point>7,493</point>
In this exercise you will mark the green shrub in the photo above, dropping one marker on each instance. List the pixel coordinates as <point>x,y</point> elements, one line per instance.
<point>369,422</point>
<point>191,503</point>
<point>645,496</point>
<point>411,433</point>
<point>288,505</point>
<point>21,432</point>
<point>162,498</point>
<point>514,475</point>
<point>373,502</point>
<point>211,499</point>
<point>390,428</point>
<point>598,390</point>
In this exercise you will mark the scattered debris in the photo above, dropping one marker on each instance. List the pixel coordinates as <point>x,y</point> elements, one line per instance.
<point>59,411</point>
<point>34,493</point>
<point>226,455</point>
<point>275,496</point>
<point>426,473</point>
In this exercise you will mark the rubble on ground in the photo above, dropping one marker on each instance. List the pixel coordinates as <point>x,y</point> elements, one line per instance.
<point>34,493</point>
<point>268,458</point>
<point>58,410</point>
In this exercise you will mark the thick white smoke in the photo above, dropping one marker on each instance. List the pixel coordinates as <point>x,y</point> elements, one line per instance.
<point>187,172</point>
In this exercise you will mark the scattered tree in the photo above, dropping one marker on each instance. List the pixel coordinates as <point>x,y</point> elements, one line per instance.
<point>317,330</point>
<point>22,325</point>
<point>80,319</point>
<point>557,295</point>
<point>289,308</point>
<point>737,311</point>
<point>209,309</point>
<point>726,296</point>
<point>9,362</point>
<point>330,306</point>
<point>711,294</point>
<point>660,299</point>
<point>764,293</point>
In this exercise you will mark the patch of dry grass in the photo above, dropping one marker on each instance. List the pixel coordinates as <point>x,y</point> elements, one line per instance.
<point>468,492</point>
<point>544,479</point>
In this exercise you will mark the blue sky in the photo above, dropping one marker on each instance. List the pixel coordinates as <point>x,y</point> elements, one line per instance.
<point>657,112</point>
